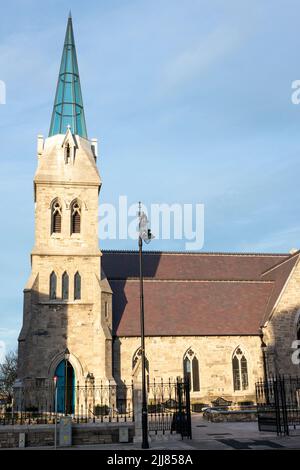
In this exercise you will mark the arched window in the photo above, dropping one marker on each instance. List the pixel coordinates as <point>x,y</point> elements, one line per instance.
<point>239,370</point>
<point>191,370</point>
<point>65,286</point>
<point>77,286</point>
<point>53,284</point>
<point>75,217</point>
<point>137,357</point>
<point>55,216</point>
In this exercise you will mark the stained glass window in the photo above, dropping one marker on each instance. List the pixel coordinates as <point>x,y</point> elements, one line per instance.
<point>191,370</point>
<point>239,370</point>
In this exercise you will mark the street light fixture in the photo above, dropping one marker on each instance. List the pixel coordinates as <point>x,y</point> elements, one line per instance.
<point>146,236</point>
<point>67,357</point>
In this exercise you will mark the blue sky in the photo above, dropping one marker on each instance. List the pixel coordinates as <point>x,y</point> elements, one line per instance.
<point>191,102</point>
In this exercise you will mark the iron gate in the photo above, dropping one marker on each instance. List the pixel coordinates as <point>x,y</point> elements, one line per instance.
<point>169,407</point>
<point>278,404</point>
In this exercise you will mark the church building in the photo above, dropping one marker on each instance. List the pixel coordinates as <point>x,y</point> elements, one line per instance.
<point>222,319</point>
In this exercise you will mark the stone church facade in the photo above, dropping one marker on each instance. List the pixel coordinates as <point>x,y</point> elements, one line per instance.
<point>223,319</point>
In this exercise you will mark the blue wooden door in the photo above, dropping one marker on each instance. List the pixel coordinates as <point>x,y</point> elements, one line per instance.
<point>65,396</point>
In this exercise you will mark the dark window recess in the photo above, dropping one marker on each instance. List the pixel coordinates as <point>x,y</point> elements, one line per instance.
<point>236,374</point>
<point>195,368</point>
<point>244,373</point>
<point>57,223</point>
<point>187,368</point>
<point>67,153</point>
<point>53,283</point>
<point>77,286</point>
<point>65,286</point>
<point>56,217</point>
<point>76,218</point>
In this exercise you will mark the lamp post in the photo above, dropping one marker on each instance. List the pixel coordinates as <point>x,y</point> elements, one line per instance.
<point>67,357</point>
<point>146,236</point>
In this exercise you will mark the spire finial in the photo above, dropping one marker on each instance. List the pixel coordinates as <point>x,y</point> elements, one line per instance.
<point>70,15</point>
<point>68,104</point>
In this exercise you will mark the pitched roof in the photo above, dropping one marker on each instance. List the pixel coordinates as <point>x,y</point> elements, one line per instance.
<point>195,293</point>
<point>279,274</point>
<point>176,265</point>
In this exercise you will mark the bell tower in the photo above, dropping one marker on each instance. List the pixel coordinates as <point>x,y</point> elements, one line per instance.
<point>67,301</point>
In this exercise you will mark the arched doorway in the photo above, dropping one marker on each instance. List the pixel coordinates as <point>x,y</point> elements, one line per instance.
<point>65,387</point>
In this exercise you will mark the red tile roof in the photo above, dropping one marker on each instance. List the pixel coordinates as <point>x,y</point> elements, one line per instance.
<point>162,265</point>
<point>195,293</point>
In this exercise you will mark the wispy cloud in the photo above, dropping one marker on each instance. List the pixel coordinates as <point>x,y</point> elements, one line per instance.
<point>2,351</point>
<point>281,240</point>
<point>7,333</point>
<point>8,341</point>
<point>196,59</point>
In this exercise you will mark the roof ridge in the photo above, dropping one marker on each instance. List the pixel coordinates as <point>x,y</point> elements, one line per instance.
<point>280,263</point>
<point>209,253</point>
<point>249,281</point>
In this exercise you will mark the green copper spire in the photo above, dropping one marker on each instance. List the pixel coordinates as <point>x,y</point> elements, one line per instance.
<point>68,106</point>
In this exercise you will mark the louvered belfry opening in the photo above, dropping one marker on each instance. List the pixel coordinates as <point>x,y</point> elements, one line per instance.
<point>56,217</point>
<point>76,217</point>
<point>67,153</point>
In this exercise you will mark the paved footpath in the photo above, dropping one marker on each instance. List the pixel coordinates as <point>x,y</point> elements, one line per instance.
<point>211,436</point>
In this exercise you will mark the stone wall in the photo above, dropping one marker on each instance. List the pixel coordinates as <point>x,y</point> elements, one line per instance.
<point>230,416</point>
<point>281,329</point>
<point>43,435</point>
<point>214,353</point>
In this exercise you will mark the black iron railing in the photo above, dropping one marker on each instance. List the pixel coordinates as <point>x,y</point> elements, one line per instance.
<point>169,407</point>
<point>278,404</point>
<point>87,403</point>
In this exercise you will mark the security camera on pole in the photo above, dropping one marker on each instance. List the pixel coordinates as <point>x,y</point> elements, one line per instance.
<point>144,236</point>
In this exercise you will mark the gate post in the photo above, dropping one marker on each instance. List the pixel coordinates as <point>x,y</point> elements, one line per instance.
<point>137,410</point>
<point>277,405</point>
<point>179,392</point>
<point>188,407</point>
<point>284,406</point>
